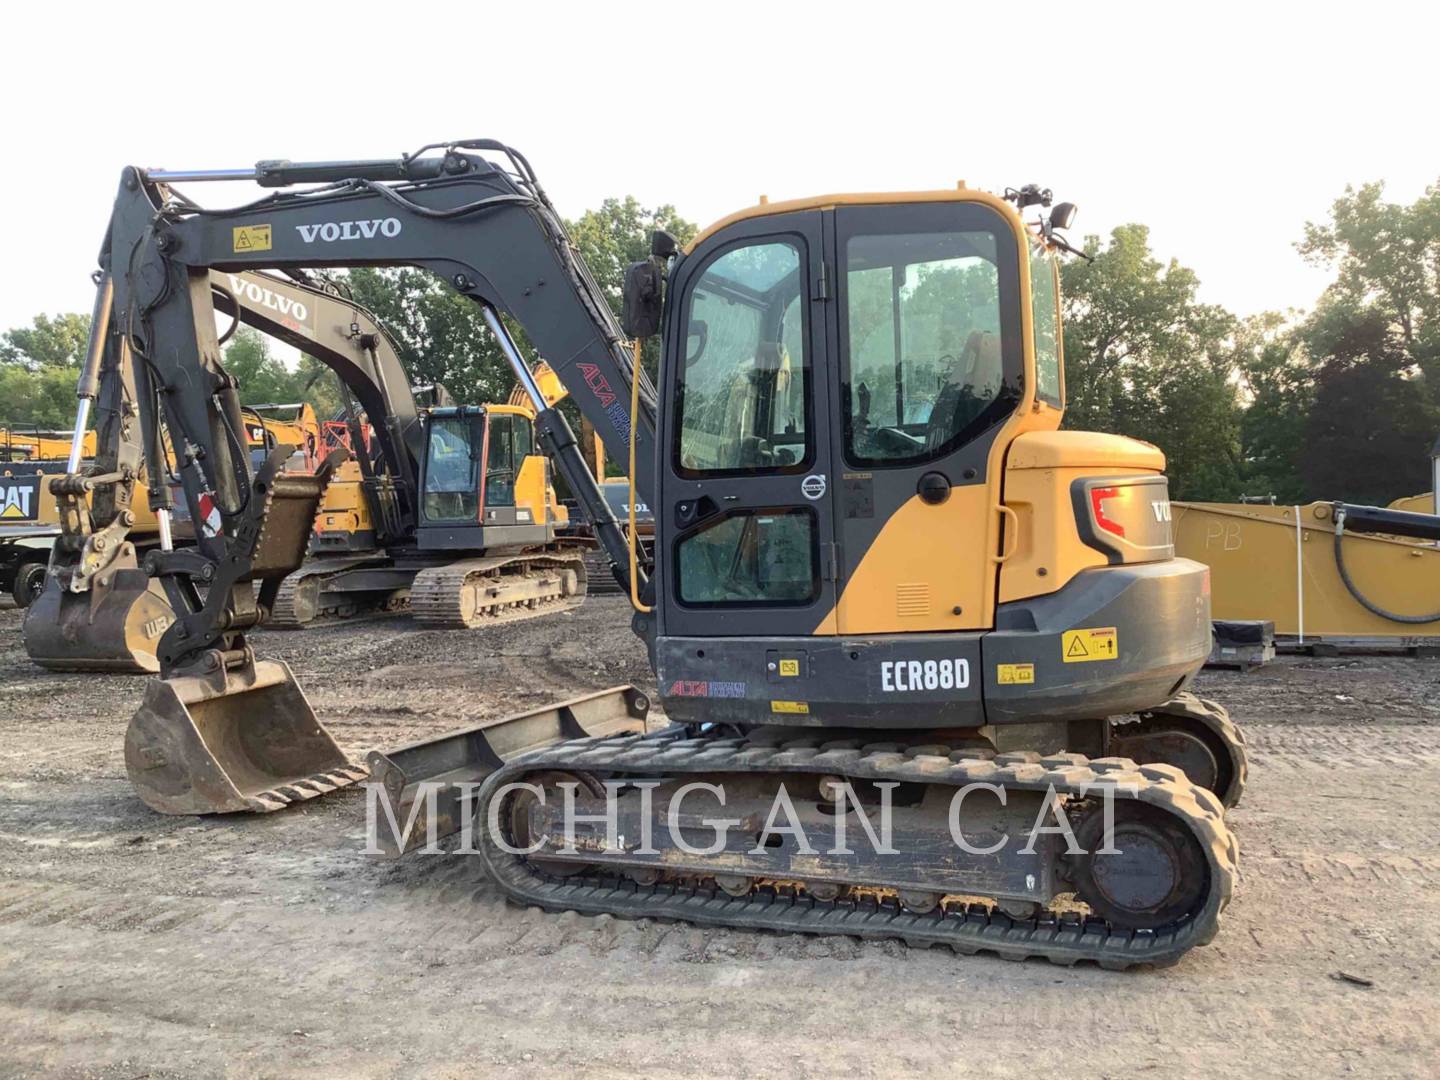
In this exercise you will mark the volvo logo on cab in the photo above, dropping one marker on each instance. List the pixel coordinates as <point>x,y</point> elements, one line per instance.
<point>900,676</point>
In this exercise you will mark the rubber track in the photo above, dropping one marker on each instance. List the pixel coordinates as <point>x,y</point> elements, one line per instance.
<point>283,616</point>
<point>601,577</point>
<point>1216,718</point>
<point>969,928</point>
<point>435,593</point>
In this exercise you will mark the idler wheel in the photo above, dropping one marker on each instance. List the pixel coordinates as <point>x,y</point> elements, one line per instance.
<point>1154,875</point>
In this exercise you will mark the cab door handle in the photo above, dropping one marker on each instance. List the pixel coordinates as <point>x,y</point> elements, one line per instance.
<point>1010,548</point>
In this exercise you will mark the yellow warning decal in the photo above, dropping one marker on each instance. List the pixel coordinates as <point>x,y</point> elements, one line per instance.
<point>1095,643</point>
<point>789,667</point>
<point>251,238</point>
<point>790,706</point>
<point>1014,674</point>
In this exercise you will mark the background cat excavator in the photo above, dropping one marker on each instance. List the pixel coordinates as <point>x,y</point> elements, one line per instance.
<point>879,566</point>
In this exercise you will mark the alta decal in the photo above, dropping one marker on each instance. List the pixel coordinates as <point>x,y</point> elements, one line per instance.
<point>600,386</point>
<point>710,689</point>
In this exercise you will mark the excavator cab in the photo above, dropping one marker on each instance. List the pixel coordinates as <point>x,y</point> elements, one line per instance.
<point>484,482</point>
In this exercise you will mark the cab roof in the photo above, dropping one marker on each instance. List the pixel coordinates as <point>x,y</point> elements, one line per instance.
<point>764,208</point>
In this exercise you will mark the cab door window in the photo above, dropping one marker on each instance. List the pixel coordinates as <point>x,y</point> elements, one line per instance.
<point>500,465</point>
<point>744,384</point>
<point>759,558</point>
<point>524,439</point>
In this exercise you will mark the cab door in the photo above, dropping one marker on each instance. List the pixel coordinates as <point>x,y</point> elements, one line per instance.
<point>930,353</point>
<point>745,472</point>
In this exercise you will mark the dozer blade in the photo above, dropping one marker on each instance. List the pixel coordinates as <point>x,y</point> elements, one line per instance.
<point>114,626</point>
<point>468,756</point>
<point>239,740</point>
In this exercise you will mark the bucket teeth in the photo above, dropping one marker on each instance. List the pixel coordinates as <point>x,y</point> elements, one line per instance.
<point>310,787</point>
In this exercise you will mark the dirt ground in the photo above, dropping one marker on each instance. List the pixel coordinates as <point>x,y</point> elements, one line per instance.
<point>137,945</point>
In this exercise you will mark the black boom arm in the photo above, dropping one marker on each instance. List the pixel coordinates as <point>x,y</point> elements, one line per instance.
<point>488,231</point>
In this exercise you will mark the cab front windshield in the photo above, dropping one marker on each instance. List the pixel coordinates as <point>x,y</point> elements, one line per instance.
<point>452,488</point>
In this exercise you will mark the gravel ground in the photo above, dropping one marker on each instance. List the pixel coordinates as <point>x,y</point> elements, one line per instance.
<point>137,945</point>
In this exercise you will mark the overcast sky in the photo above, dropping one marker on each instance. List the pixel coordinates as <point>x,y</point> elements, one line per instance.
<point>1224,128</point>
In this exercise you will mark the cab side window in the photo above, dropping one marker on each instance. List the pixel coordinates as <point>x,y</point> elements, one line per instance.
<point>500,465</point>
<point>922,344</point>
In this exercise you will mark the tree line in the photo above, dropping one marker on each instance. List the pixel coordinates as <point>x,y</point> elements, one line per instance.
<point>1336,403</point>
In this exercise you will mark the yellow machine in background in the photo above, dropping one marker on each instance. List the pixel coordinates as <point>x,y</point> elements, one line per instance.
<point>1279,563</point>
<point>30,522</point>
<point>293,425</point>
<point>36,445</point>
<point>468,516</point>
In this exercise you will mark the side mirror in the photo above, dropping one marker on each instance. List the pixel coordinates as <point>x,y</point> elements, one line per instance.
<point>640,312</point>
<point>1063,215</point>
<point>663,244</point>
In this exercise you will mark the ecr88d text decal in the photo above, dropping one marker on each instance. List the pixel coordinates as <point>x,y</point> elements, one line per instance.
<point>901,676</point>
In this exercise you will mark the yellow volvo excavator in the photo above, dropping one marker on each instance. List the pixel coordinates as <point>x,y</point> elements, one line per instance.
<point>880,572</point>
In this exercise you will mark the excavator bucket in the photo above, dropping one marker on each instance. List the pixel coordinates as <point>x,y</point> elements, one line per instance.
<point>233,741</point>
<point>113,626</point>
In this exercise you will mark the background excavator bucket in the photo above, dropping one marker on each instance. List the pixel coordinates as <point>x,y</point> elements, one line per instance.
<point>236,741</point>
<point>114,626</point>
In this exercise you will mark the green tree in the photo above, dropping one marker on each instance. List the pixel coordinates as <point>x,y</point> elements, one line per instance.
<point>48,342</point>
<point>1144,358</point>
<point>440,335</point>
<point>617,234</point>
<point>262,377</point>
<point>1279,384</point>
<point>1387,261</point>
<point>1367,435</point>
<point>39,366</point>
<point>41,399</point>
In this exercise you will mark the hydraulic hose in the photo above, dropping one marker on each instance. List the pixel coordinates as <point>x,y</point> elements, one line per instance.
<point>1363,600</point>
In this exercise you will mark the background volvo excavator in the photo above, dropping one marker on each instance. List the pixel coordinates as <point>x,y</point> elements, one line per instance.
<point>879,565</point>
<point>460,522</point>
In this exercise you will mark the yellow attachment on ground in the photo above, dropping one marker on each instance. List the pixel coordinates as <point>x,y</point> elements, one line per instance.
<point>1254,552</point>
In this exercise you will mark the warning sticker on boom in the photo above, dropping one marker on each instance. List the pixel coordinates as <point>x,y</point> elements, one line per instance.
<point>1095,643</point>
<point>251,238</point>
